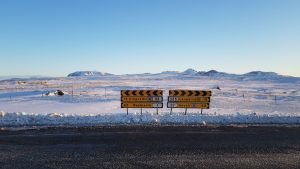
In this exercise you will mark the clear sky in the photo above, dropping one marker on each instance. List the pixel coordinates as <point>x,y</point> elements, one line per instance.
<point>57,37</point>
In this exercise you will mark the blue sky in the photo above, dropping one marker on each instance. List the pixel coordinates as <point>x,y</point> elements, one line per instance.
<point>56,37</point>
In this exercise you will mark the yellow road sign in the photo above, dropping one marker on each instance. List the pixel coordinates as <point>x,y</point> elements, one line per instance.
<point>141,92</point>
<point>189,93</point>
<point>189,99</point>
<point>141,105</point>
<point>188,105</point>
<point>141,99</point>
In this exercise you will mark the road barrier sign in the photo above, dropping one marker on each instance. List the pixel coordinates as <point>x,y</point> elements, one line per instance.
<point>198,99</point>
<point>189,93</point>
<point>141,93</point>
<point>142,99</point>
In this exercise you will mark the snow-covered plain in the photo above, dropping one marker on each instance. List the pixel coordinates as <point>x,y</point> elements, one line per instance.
<point>95,100</point>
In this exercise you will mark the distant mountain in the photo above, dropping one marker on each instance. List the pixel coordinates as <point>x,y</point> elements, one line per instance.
<point>259,75</point>
<point>189,72</point>
<point>216,74</point>
<point>254,75</point>
<point>23,77</point>
<point>192,73</point>
<point>87,73</point>
<point>170,72</point>
<point>210,73</point>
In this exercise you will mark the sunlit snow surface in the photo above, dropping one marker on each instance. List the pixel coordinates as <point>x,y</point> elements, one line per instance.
<point>96,100</point>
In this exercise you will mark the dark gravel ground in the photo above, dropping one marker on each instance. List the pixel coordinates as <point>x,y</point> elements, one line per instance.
<point>207,147</point>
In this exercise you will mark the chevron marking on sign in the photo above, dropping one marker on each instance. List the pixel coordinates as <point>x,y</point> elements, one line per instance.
<point>141,93</point>
<point>206,93</point>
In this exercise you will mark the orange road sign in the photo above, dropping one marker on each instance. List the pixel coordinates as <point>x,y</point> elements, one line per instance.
<point>141,99</point>
<point>188,105</point>
<point>141,105</point>
<point>189,99</point>
<point>189,93</point>
<point>141,92</point>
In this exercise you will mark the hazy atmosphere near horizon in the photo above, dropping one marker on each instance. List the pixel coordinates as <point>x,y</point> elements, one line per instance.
<point>55,37</point>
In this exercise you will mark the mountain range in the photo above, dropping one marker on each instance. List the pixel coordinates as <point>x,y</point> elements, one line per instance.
<point>192,73</point>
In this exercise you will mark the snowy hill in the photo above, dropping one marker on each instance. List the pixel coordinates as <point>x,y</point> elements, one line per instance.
<point>87,73</point>
<point>192,73</point>
<point>259,75</point>
<point>253,76</point>
<point>189,72</point>
<point>218,75</point>
<point>170,72</point>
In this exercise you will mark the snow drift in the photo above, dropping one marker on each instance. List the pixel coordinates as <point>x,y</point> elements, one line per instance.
<point>28,119</point>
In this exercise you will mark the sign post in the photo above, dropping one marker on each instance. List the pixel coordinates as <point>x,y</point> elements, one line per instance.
<point>142,99</point>
<point>195,99</point>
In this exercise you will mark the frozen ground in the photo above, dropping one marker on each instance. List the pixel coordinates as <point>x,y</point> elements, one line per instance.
<point>96,100</point>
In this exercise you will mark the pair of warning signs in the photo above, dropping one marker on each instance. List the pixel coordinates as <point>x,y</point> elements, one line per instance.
<point>154,99</point>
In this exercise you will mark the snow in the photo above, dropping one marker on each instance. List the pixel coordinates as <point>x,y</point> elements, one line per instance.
<point>25,119</point>
<point>93,100</point>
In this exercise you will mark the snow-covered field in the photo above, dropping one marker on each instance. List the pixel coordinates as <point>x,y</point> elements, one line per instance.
<point>95,100</point>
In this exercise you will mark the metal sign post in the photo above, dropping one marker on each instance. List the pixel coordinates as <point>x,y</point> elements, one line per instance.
<point>141,99</point>
<point>189,99</point>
